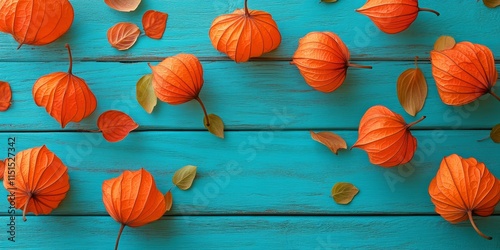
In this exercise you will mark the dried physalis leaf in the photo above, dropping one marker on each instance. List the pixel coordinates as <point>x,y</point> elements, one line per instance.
<point>215,125</point>
<point>123,36</point>
<point>123,5</point>
<point>184,177</point>
<point>491,3</point>
<point>245,34</point>
<point>386,137</point>
<point>322,59</point>
<point>412,90</point>
<point>179,79</point>
<point>343,192</point>
<point>331,140</point>
<point>169,200</point>
<point>132,199</point>
<point>40,182</point>
<point>392,16</point>
<point>115,125</point>
<point>154,23</point>
<point>464,72</point>
<point>145,93</point>
<point>5,96</point>
<point>444,43</point>
<point>65,96</point>
<point>35,22</point>
<point>463,187</point>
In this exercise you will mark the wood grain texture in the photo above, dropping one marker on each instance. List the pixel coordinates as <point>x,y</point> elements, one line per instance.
<point>190,20</point>
<point>255,172</point>
<point>254,96</point>
<point>258,232</point>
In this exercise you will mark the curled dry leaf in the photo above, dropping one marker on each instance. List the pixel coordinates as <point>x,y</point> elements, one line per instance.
<point>154,23</point>
<point>331,140</point>
<point>5,96</point>
<point>35,22</point>
<point>169,200</point>
<point>115,125</point>
<point>392,16</point>
<point>464,72</point>
<point>386,137</point>
<point>245,34</point>
<point>40,182</point>
<point>322,59</point>
<point>215,125</point>
<point>123,36</point>
<point>179,79</point>
<point>132,199</point>
<point>491,3</point>
<point>463,187</point>
<point>343,192</point>
<point>65,96</point>
<point>123,5</point>
<point>145,93</point>
<point>184,177</point>
<point>412,90</point>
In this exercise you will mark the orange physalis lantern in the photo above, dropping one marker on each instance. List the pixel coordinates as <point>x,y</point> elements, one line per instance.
<point>392,16</point>
<point>40,182</point>
<point>245,34</point>
<point>463,72</point>
<point>463,187</point>
<point>65,96</point>
<point>386,137</point>
<point>323,59</point>
<point>132,199</point>
<point>35,22</point>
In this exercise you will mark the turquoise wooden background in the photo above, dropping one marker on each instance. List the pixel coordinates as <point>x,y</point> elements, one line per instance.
<point>267,185</point>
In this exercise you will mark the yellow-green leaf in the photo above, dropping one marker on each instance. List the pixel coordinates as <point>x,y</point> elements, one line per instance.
<point>169,200</point>
<point>215,125</point>
<point>412,90</point>
<point>343,192</point>
<point>145,93</point>
<point>495,133</point>
<point>444,43</point>
<point>184,177</point>
<point>331,140</point>
<point>491,3</point>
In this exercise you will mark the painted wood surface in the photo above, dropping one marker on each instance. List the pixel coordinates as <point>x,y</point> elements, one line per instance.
<point>267,185</point>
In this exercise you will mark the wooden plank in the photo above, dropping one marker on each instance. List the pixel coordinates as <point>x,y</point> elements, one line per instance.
<point>255,172</point>
<point>261,95</point>
<point>256,232</point>
<point>189,22</point>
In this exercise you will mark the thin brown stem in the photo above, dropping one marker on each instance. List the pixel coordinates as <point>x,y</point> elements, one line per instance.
<point>204,110</point>
<point>25,207</point>
<point>429,10</point>
<point>119,235</point>
<point>415,122</point>
<point>70,70</point>
<point>484,139</point>
<point>494,95</point>
<point>358,66</point>
<point>469,213</point>
<point>416,62</point>
<point>247,12</point>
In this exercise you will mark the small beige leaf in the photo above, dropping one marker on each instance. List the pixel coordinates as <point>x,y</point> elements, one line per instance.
<point>495,133</point>
<point>491,3</point>
<point>123,36</point>
<point>145,93</point>
<point>184,177</point>
<point>169,200</point>
<point>444,43</point>
<point>331,140</point>
<point>412,90</point>
<point>343,192</point>
<point>216,125</point>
